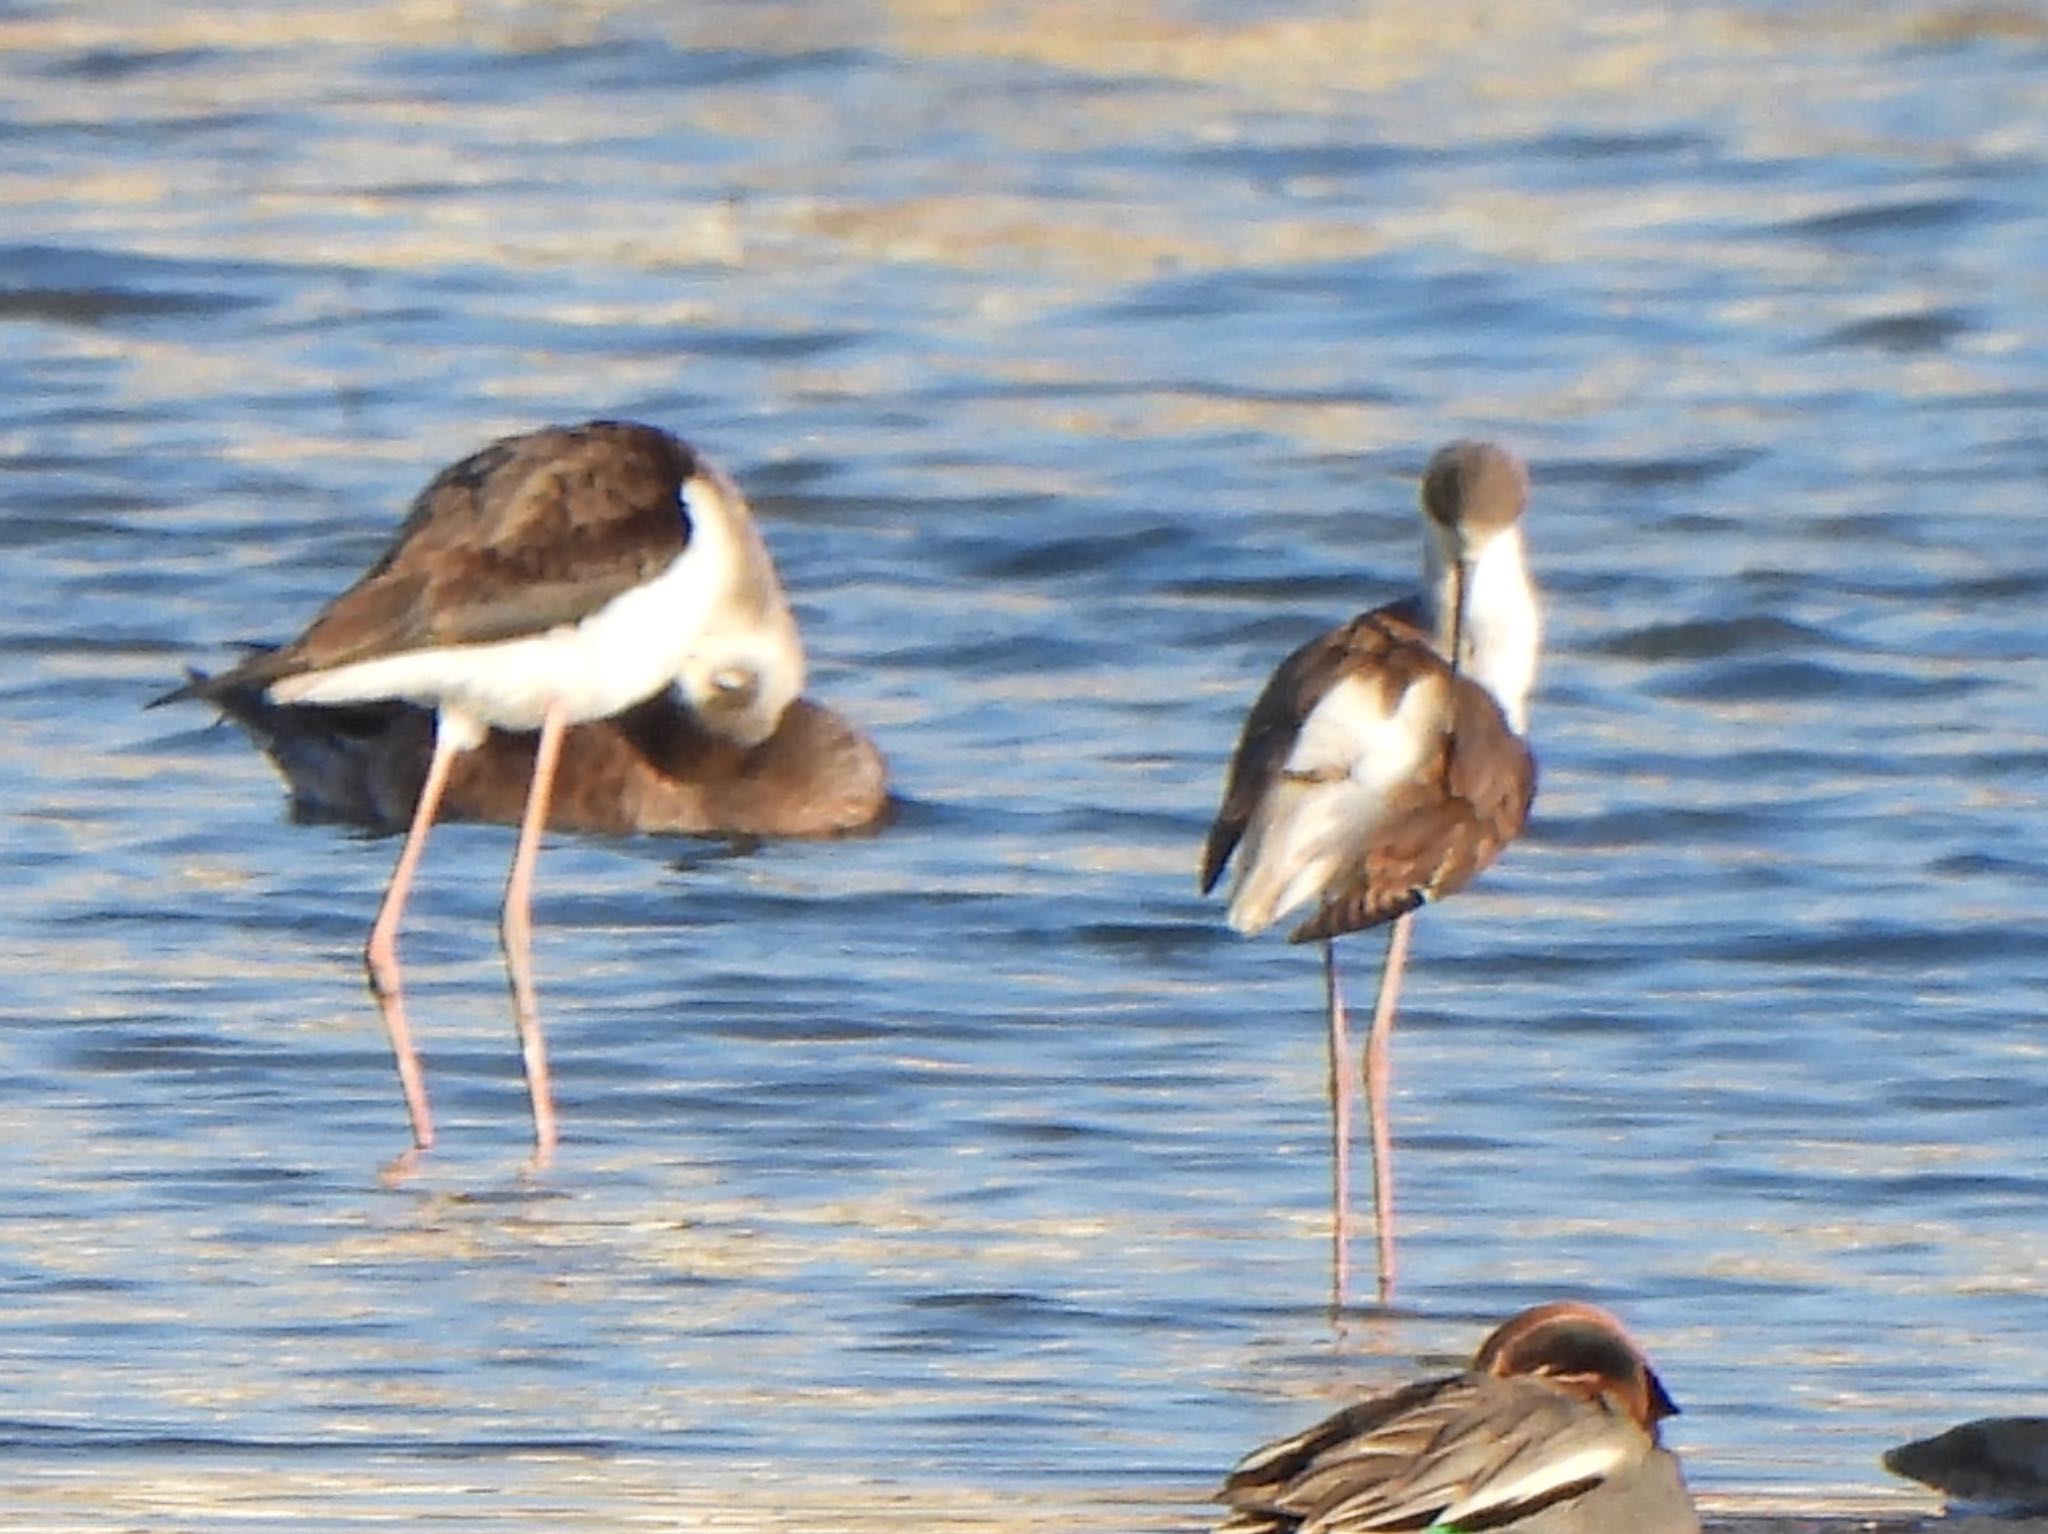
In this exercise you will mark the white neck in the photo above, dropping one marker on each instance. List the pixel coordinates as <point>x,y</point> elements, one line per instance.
<point>746,663</point>
<point>1503,627</point>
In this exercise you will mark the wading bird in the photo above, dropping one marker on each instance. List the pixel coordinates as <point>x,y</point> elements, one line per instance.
<point>552,578</point>
<point>1384,766</point>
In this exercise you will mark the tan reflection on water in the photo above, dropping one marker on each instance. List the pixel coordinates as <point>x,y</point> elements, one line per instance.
<point>551,1491</point>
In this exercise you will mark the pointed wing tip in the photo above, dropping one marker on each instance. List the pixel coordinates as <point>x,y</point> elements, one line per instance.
<point>196,685</point>
<point>1216,850</point>
<point>249,676</point>
<point>1339,918</point>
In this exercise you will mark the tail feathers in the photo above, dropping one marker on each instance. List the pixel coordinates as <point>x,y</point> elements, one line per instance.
<point>1295,848</point>
<point>1268,888</point>
<point>249,675</point>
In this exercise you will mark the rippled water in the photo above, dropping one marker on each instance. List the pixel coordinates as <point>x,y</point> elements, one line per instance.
<point>1080,360</point>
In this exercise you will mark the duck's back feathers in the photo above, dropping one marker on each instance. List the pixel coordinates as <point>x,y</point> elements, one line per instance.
<point>1467,1452</point>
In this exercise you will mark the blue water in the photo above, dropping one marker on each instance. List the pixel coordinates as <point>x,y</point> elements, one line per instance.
<point>1079,361</point>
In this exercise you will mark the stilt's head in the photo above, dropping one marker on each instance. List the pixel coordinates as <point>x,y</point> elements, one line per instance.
<point>1471,492</point>
<point>747,664</point>
<point>1483,606</point>
<point>1585,1350</point>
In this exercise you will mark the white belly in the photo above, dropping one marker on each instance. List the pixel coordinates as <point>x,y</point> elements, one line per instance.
<point>623,653</point>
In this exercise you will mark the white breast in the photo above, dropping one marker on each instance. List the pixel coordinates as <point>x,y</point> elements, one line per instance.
<point>1503,629</point>
<point>1321,813</point>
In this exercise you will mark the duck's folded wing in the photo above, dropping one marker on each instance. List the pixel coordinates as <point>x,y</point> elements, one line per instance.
<point>1259,1490</point>
<point>1477,1453</point>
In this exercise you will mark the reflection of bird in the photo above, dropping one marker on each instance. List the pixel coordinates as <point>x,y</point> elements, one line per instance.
<point>1384,766</point>
<point>1553,1430</point>
<point>653,770</point>
<point>551,578</point>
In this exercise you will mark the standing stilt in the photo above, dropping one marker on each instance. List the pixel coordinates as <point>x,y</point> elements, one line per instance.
<point>1383,766</point>
<point>554,578</point>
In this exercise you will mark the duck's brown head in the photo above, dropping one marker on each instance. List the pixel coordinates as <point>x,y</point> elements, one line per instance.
<point>1583,1349</point>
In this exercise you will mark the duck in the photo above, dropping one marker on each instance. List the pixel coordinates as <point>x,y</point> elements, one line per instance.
<point>1553,1429</point>
<point>653,770</point>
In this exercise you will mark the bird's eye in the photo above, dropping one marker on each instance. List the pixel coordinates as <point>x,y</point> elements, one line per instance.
<point>735,681</point>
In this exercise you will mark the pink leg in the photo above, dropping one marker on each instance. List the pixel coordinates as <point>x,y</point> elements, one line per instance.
<point>1377,1074</point>
<point>516,929</point>
<point>1340,1132</point>
<point>380,956</point>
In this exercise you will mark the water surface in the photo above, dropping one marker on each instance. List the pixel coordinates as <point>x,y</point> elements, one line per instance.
<point>1080,361</point>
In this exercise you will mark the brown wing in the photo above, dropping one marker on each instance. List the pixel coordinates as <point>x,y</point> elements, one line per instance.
<point>1372,641</point>
<point>1452,826</point>
<point>531,532</point>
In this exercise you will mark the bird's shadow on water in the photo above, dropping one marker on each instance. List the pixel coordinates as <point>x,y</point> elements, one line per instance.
<point>699,853</point>
<point>709,854</point>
